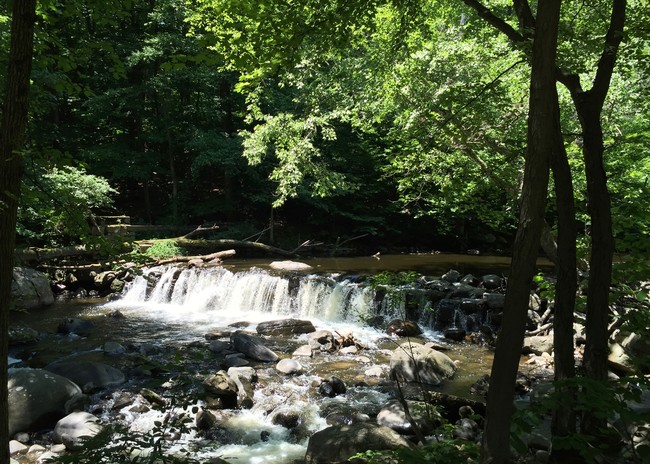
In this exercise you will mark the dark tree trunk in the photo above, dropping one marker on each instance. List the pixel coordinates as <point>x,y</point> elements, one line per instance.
<point>13,126</point>
<point>589,107</point>
<point>563,423</point>
<point>542,124</point>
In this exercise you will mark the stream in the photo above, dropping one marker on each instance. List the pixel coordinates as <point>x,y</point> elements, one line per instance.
<point>168,312</point>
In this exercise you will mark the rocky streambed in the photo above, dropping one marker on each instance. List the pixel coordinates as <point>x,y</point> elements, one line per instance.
<point>253,367</point>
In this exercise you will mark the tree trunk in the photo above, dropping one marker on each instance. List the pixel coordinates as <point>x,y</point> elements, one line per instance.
<point>13,126</point>
<point>542,124</point>
<point>563,423</point>
<point>602,250</point>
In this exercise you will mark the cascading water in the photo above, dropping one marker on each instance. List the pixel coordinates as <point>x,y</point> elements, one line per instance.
<point>218,294</point>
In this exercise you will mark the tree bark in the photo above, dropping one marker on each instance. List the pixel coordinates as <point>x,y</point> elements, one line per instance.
<point>563,422</point>
<point>13,127</point>
<point>542,123</point>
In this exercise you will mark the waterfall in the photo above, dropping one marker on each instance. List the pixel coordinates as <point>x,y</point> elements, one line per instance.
<point>221,291</point>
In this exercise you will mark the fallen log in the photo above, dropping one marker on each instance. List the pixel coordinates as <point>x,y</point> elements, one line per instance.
<point>205,258</point>
<point>231,244</point>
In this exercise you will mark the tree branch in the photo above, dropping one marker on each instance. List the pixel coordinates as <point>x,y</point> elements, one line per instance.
<point>492,19</point>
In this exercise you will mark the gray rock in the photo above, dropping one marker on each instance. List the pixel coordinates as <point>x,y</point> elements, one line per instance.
<point>491,281</point>
<point>252,347</point>
<point>38,398</point>
<point>495,300</point>
<point>220,384</point>
<point>73,428</point>
<point>290,266</point>
<point>247,373</point>
<point>304,351</point>
<point>89,375</point>
<point>289,367</point>
<point>392,415</point>
<point>451,276</point>
<point>285,327</point>
<point>336,444</point>
<point>418,363</point>
<point>538,344</point>
<point>218,346</point>
<point>30,289</point>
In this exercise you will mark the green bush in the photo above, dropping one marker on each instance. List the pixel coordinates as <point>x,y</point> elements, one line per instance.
<point>164,249</point>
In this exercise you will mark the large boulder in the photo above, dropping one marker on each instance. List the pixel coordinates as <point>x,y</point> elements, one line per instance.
<point>73,428</point>
<point>538,344</point>
<point>30,289</point>
<point>89,375</point>
<point>38,398</point>
<point>411,362</point>
<point>336,444</point>
<point>285,327</point>
<point>252,347</point>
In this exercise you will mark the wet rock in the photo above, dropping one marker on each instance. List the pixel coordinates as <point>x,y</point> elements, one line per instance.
<point>21,335</point>
<point>38,398</point>
<point>455,334</point>
<point>289,367</point>
<point>218,346</point>
<point>419,363</point>
<point>72,428</point>
<point>403,328</point>
<point>465,291</point>
<point>491,281</point>
<point>205,420</point>
<point>104,279</point>
<point>469,279</point>
<point>336,444</point>
<point>89,375</point>
<point>30,289</point>
<point>116,314</point>
<point>332,387</point>
<point>376,371</point>
<point>495,301</point>
<point>76,326</point>
<point>350,418</point>
<point>285,327</point>
<point>122,400</point>
<point>286,418</point>
<point>252,347</point>
<point>445,311</point>
<point>392,415</point>
<point>349,350</point>
<point>451,276</point>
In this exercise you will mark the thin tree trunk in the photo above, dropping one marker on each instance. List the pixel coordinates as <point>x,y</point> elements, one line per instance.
<point>542,125</point>
<point>563,423</point>
<point>13,126</point>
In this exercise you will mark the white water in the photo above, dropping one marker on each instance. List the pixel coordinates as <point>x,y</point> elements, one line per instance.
<point>216,297</point>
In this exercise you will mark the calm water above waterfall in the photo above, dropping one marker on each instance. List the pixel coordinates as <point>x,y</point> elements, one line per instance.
<point>168,311</point>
